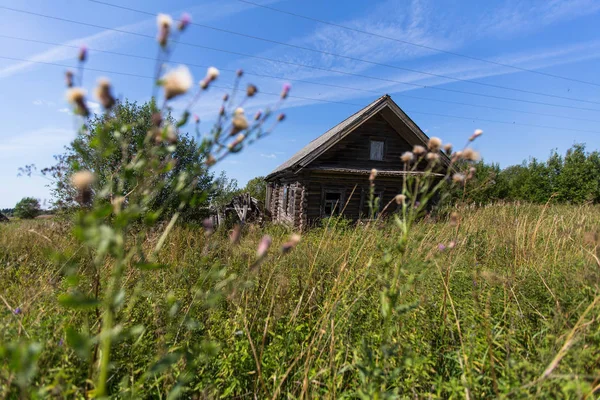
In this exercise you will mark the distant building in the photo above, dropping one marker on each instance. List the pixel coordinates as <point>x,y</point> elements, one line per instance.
<point>330,175</point>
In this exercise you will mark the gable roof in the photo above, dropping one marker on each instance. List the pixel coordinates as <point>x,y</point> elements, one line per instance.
<point>324,142</point>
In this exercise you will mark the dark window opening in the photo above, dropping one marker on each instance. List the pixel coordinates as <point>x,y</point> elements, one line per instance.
<point>376,150</point>
<point>332,203</point>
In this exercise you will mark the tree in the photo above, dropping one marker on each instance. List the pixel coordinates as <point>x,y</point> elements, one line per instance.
<point>27,208</point>
<point>257,187</point>
<point>135,122</point>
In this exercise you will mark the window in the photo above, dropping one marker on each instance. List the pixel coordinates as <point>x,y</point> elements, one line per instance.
<point>332,203</point>
<point>376,150</point>
<point>284,201</point>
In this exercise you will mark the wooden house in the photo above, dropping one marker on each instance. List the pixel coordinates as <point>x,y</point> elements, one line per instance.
<point>331,174</point>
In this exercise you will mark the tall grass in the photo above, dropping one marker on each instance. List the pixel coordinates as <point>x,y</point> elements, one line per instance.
<point>502,303</point>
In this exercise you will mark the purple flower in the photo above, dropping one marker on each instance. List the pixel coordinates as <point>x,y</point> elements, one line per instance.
<point>61,342</point>
<point>441,247</point>
<point>285,90</point>
<point>184,21</point>
<point>17,311</point>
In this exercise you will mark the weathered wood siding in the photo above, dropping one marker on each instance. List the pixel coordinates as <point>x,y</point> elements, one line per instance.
<point>354,150</point>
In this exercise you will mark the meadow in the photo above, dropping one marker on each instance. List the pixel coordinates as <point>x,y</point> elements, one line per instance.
<point>499,302</point>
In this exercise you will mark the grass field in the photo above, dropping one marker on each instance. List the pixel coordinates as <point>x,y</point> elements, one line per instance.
<point>508,310</point>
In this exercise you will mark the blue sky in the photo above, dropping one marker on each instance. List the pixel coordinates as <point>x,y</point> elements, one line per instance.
<point>551,36</point>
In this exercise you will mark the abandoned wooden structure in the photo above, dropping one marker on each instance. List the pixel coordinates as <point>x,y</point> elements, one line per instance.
<point>243,208</point>
<point>331,174</point>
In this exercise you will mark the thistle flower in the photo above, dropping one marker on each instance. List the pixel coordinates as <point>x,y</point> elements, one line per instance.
<point>448,148</point>
<point>291,243</point>
<point>76,96</point>
<point>458,178</point>
<point>164,23</point>
<point>82,54</point>
<point>210,160</point>
<point>69,78</point>
<point>17,311</point>
<point>82,180</point>
<point>184,21</point>
<point>263,246</point>
<point>407,157</point>
<point>103,93</point>
<point>117,203</point>
<point>452,244</point>
<point>257,115</point>
<point>225,97</point>
<point>373,175</point>
<point>476,134</point>
<point>419,150</point>
<point>454,218</point>
<point>441,247</point>
<point>238,139</point>
<point>457,156</point>
<point>433,157</point>
<point>434,144</point>
<point>235,234</point>
<point>280,117</point>
<point>285,90</point>
<point>239,73</point>
<point>470,154</point>
<point>177,81</point>
<point>400,199</point>
<point>471,173</point>
<point>170,133</point>
<point>238,111</point>
<point>203,84</point>
<point>196,118</point>
<point>238,123</point>
<point>212,74</point>
<point>251,90</point>
<point>156,119</point>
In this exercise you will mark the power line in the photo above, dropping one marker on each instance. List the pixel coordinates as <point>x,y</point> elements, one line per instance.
<point>303,81</point>
<point>305,65</point>
<point>359,59</point>
<point>421,45</point>
<point>316,99</point>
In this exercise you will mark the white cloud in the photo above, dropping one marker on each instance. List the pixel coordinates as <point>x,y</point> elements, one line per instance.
<point>64,110</point>
<point>40,102</point>
<point>41,139</point>
<point>270,155</point>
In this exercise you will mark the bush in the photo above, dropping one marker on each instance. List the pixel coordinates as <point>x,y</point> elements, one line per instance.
<point>27,208</point>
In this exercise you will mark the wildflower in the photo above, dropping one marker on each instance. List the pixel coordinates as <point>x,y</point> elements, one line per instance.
<point>470,154</point>
<point>164,23</point>
<point>239,73</point>
<point>221,111</point>
<point>407,157</point>
<point>203,84</point>
<point>454,218</point>
<point>117,203</point>
<point>69,78</point>
<point>434,144</point>
<point>285,90</point>
<point>419,150</point>
<point>257,115</point>
<point>239,123</point>
<point>170,134</point>
<point>61,342</point>
<point>471,174</point>
<point>457,156</point>
<point>196,118</point>
<point>476,134</point>
<point>448,148</point>
<point>238,139</point>
<point>103,93</point>
<point>373,175</point>
<point>184,21</point>
<point>212,74</point>
<point>17,311</point>
<point>452,244</point>
<point>263,246</point>
<point>238,111</point>
<point>280,117</point>
<point>177,81</point>
<point>458,178</point>
<point>210,160</point>
<point>234,235</point>
<point>225,97</point>
<point>76,96</point>
<point>433,157</point>
<point>251,90</point>
<point>82,54</point>
<point>208,226</point>
<point>291,243</point>
<point>82,180</point>
<point>400,199</point>
<point>441,247</point>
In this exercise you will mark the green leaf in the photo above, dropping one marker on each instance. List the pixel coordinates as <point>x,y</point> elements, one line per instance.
<point>77,300</point>
<point>150,265</point>
<point>79,342</point>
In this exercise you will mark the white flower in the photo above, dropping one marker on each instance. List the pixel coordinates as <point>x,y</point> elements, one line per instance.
<point>458,178</point>
<point>75,95</point>
<point>419,150</point>
<point>407,157</point>
<point>400,199</point>
<point>164,21</point>
<point>212,73</point>
<point>238,111</point>
<point>82,180</point>
<point>434,144</point>
<point>177,81</point>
